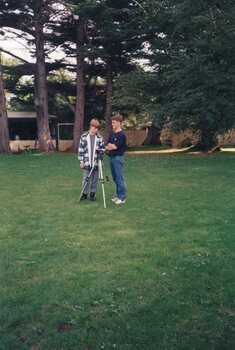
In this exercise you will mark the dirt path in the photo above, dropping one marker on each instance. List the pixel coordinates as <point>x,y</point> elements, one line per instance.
<point>175,150</point>
<point>169,150</point>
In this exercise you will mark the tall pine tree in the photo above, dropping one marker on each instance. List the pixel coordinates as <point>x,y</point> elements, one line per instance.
<point>192,48</point>
<point>30,18</point>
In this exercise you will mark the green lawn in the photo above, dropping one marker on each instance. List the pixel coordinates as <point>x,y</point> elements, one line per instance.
<point>155,273</point>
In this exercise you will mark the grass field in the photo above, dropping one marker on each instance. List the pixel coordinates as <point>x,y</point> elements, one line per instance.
<point>155,273</point>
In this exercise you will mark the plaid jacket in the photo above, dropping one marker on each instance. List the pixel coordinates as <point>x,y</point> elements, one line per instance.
<point>84,150</point>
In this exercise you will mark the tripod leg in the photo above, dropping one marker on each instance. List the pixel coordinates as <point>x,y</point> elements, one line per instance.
<point>102,181</point>
<point>86,182</point>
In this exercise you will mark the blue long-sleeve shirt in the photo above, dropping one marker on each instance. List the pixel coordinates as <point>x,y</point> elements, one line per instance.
<point>119,140</point>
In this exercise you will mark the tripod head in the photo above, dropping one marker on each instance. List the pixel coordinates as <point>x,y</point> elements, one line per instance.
<point>98,163</point>
<point>100,154</point>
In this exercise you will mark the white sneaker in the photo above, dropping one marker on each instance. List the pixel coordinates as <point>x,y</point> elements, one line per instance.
<point>114,199</point>
<point>119,201</point>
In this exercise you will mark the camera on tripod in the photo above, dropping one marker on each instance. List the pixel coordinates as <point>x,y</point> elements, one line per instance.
<point>99,163</point>
<point>100,153</point>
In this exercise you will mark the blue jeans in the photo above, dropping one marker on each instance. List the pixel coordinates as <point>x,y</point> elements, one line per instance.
<point>116,166</point>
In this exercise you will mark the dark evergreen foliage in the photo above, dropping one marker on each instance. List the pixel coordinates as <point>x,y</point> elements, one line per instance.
<point>195,59</point>
<point>189,45</point>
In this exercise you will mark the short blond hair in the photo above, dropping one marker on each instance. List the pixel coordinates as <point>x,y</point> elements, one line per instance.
<point>95,122</point>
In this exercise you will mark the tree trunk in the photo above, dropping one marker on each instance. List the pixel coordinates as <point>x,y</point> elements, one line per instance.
<point>108,110</point>
<point>79,108</point>
<point>80,98</point>
<point>4,130</point>
<point>153,136</point>
<point>207,142</point>
<point>41,100</point>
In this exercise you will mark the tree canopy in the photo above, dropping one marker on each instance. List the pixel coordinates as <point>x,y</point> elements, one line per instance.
<point>193,54</point>
<point>168,61</point>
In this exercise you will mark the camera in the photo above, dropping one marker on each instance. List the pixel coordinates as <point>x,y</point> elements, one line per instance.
<point>100,152</point>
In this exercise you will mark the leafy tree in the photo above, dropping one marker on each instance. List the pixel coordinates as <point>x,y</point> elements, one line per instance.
<point>120,37</point>
<point>104,38</point>
<point>72,37</point>
<point>137,92</point>
<point>192,51</point>
<point>30,17</point>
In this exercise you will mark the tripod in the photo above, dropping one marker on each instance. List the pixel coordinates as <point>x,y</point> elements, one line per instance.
<point>99,162</point>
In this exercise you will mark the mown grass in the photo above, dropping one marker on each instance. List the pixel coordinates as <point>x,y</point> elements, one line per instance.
<point>155,273</point>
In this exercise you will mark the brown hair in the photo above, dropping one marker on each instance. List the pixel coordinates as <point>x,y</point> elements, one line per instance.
<point>94,122</point>
<point>117,117</point>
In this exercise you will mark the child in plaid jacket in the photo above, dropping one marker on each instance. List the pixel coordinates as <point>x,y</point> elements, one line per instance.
<point>90,142</point>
